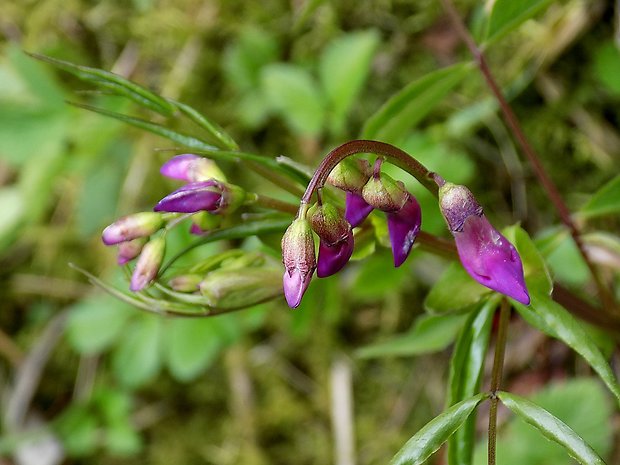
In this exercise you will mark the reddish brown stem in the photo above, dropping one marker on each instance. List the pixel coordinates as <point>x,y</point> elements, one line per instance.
<point>532,156</point>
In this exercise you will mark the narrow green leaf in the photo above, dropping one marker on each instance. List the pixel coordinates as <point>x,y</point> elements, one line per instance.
<point>552,319</point>
<point>431,333</point>
<point>466,368</point>
<point>178,137</point>
<point>430,438</point>
<point>605,201</point>
<point>404,110</point>
<point>114,82</point>
<point>212,129</point>
<point>552,428</point>
<point>507,15</point>
<point>343,69</point>
<point>295,95</point>
<point>454,291</point>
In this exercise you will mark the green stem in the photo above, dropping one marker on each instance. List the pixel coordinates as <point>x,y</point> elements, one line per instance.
<point>397,156</point>
<point>496,376</point>
<point>534,159</point>
<point>274,204</point>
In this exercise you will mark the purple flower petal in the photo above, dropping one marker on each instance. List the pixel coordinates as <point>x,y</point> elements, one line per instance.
<point>356,209</point>
<point>295,283</point>
<point>129,250</point>
<point>403,227</point>
<point>178,167</point>
<point>332,258</point>
<point>192,197</point>
<point>491,259</point>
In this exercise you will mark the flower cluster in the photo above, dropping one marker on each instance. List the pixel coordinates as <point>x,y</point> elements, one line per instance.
<point>484,252</point>
<point>365,191</point>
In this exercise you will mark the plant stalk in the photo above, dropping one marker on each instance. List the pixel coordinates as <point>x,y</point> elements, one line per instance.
<point>496,376</point>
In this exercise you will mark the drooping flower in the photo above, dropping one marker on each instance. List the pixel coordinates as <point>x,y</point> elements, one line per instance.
<point>404,226</point>
<point>131,227</point>
<point>402,209</point>
<point>211,196</point>
<point>484,252</point>
<point>356,209</point>
<point>192,168</point>
<point>335,239</point>
<point>148,264</point>
<point>299,260</point>
<point>351,176</point>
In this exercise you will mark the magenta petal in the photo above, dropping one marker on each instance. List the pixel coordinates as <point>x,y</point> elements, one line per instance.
<point>178,167</point>
<point>191,198</point>
<point>332,258</point>
<point>491,259</point>
<point>356,209</point>
<point>403,227</point>
<point>295,284</point>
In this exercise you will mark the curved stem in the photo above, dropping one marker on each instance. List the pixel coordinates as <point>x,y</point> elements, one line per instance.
<point>532,156</point>
<point>496,376</point>
<point>397,157</point>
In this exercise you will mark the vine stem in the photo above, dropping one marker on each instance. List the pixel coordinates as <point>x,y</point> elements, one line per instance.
<point>496,376</point>
<point>532,156</point>
<point>397,156</point>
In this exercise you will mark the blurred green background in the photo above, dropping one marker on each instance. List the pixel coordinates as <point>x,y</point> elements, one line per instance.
<point>86,379</point>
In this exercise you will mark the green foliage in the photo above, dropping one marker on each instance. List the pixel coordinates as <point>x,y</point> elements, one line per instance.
<point>507,15</point>
<point>437,431</point>
<point>605,201</point>
<point>454,291</point>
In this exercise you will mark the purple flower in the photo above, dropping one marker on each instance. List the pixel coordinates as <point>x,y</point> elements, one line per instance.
<point>299,260</point>
<point>404,226</point>
<point>484,252</point>
<point>193,197</point>
<point>191,168</point>
<point>332,258</point>
<point>131,227</point>
<point>129,250</point>
<point>356,209</point>
<point>148,264</point>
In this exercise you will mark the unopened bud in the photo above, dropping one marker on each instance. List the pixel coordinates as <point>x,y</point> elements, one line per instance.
<point>192,168</point>
<point>203,222</point>
<point>457,203</point>
<point>212,196</point>
<point>131,227</point>
<point>227,289</point>
<point>350,174</point>
<point>299,260</point>
<point>328,223</point>
<point>148,264</point>
<point>129,250</point>
<point>185,282</point>
<point>384,193</point>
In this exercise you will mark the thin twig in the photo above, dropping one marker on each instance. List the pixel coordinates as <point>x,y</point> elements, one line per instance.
<point>533,158</point>
<point>496,376</point>
<point>275,204</point>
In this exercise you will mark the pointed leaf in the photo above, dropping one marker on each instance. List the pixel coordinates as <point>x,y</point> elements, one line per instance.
<point>404,110</point>
<point>213,129</point>
<point>113,82</point>
<point>430,438</point>
<point>605,201</point>
<point>552,319</point>
<point>454,291</point>
<point>552,428</point>
<point>537,275</point>
<point>507,15</point>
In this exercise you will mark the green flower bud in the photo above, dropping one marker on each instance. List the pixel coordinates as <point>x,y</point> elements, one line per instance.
<point>148,264</point>
<point>350,174</point>
<point>227,289</point>
<point>132,227</point>
<point>185,282</point>
<point>299,260</point>
<point>328,223</point>
<point>384,193</point>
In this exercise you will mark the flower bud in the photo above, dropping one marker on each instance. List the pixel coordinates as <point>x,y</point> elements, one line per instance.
<point>404,226</point>
<point>131,227</point>
<point>192,168</point>
<point>129,250</point>
<point>350,175</point>
<point>299,260</point>
<point>485,253</point>
<point>384,193</point>
<point>227,289</point>
<point>203,222</point>
<point>185,282</point>
<point>336,239</point>
<point>212,196</point>
<point>148,264</point>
